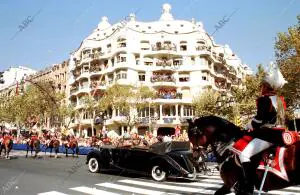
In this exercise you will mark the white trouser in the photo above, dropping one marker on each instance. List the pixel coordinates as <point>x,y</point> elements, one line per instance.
<point>254,147</point>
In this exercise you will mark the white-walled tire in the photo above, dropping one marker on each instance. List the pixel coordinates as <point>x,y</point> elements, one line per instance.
<point>94,165</point>
<point>158,174</point>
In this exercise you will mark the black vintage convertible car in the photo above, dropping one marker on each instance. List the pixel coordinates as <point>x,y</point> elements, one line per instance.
<point>160,160</point>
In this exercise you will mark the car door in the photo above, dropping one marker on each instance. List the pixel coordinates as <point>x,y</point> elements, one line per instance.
<point>139,160</point>
<point>116,156</point>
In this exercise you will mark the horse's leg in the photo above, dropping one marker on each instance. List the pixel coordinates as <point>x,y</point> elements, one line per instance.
<point>66,151</point>
<point>223,190</point>
<point>7,152</point>
<point>37,148</point>
<point>27,150</point>
<point>56,151</point>
<point>51,151</point>
<point>4,150</point>
<point>46,149</point>
<point>77,150</point>
<point>31,149</point>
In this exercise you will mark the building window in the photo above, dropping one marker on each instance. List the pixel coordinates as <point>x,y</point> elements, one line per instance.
<point>188,111</point>
<point>109,48</point>
<point>184,77</point>
<point>183,45</point>
<point>142,76</point>
<point>144,112</point>
<point>121,59</point>
<point>121,42</point>
<point>122,74</point>
<point>110,79</point>
<point>145,45</point>
<point>120,112</point>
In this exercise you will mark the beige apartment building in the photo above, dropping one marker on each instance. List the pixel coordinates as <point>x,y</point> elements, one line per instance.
<point>56,74</point>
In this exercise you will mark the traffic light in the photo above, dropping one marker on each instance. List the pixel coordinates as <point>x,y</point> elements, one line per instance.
<point>1,78</point>
<point>238,121</point>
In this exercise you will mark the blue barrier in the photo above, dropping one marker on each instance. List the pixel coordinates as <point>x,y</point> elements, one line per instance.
<point>82,150</point>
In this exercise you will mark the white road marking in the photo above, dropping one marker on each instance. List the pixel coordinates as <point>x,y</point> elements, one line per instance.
<point>158,185</point>
<point>212,181</point>
<point>283,192</point>
<point>52,193</point>
<point>210,177</point>
<point>208,186</point>
<point>295,188</point>
<point>130,189</point>
<point>198,184</point>
<point>92,191</point>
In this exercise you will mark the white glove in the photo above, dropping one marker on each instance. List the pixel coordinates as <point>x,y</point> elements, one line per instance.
<point>248,126</point>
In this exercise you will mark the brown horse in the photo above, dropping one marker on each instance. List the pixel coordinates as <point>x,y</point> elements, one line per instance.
<point>52,144</point>
<point>219,133</point>
<point>6,144</point>
<point>71,143</point>
<point>33,144</point>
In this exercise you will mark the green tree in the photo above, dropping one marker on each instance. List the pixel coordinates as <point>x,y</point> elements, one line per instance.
<point>245,96</point>
<point>66,114</point>
<point>38,100</point>
<point>126,99</point>
<point>287,50</point>
<point>206,103</point>
<point>90,106</point>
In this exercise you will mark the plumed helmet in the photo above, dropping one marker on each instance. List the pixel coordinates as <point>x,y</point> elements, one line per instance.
<point>274,77</point>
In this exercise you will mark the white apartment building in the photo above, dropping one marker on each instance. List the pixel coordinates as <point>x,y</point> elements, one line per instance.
<point>15,74</point>
<point>177,58</point>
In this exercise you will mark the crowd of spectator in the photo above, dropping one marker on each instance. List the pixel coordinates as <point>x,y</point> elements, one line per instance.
<point>126,139</point>
<point>161,77</point>
<point>169,94</point>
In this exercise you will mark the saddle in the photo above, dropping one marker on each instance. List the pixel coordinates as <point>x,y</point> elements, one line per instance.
<point>275,154</point>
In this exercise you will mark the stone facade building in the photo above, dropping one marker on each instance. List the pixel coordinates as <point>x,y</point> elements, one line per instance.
<point>177,58</point>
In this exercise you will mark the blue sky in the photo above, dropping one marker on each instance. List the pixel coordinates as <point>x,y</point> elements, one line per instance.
<point>61,25</point>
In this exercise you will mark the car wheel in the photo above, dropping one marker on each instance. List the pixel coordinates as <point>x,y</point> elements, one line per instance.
<point>94,165</point>
<point>158,174</point>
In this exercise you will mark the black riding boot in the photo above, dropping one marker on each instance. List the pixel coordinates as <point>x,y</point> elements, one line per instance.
<point>246,183</point>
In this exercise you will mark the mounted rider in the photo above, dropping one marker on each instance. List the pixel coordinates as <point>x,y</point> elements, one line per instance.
<point>264,130</point>
<point>33,135</point>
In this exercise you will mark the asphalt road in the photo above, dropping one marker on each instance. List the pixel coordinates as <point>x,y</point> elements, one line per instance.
<point>70,176</point>
<point>29,176</point>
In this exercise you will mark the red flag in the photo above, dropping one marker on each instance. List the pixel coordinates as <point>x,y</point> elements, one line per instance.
<point>17,89</point>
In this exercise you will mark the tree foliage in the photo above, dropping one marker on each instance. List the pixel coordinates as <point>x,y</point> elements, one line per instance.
<point>67,113</point>
<point>33,105</point>
<point>287,50</point>
<point>126,99</point>
<point>245,97</point>
<point>206,103</point>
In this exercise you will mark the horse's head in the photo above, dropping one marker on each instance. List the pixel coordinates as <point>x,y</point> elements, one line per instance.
<point>210,130</point>
<point>200,136</point>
